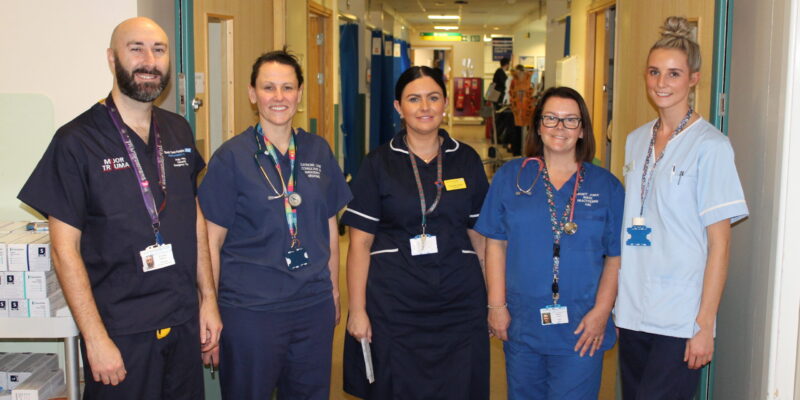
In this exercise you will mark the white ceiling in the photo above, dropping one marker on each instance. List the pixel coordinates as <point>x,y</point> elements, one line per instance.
<point>487,16</point>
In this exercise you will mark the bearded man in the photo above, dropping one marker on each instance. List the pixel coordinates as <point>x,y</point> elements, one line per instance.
<point>118,185</point>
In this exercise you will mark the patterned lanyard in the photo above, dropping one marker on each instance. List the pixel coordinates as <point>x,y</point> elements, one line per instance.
<point>144,184</point>
<point>288,187</point>
<point>647,180</point>
<point>438,183</point>
<point>558,225</point>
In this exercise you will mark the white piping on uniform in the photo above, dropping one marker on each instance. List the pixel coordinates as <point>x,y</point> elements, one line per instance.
<point>468,252</point>
<point>474,215</point>
<point>730,203</point>
<point>391,146</point>
<point>384,251</point>
<point>454,148</point>
<point>360,214</point>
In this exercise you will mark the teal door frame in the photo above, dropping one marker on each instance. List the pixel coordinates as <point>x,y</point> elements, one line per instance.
<point>720,87</point>
<point>184,59</point>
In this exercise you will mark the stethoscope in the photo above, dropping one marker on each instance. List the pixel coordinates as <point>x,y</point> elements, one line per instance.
<point>529,190</point>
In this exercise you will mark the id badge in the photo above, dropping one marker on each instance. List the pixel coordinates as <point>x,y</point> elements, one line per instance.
<point>554,315</point>
<point>296,258</point>
<point>639,232</point>
<point>423,244</point>
<point>156,257</point>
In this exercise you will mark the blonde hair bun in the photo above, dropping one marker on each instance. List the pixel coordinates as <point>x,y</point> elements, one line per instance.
<point>676,27</point>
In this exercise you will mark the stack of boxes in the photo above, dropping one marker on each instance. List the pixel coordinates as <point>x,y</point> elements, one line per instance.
<point>30,376</point>
<point>28,284</point>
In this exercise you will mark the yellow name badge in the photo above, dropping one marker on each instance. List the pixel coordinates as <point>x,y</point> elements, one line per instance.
<point>455,184</point>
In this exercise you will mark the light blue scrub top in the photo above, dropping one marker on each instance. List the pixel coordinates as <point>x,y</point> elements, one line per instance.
<point>695,185</point>
<point>524,221</point>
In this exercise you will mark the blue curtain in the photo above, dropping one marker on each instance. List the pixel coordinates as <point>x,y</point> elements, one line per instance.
<point>353,136</point>
<point>388,115</point>
<point>376,89</point>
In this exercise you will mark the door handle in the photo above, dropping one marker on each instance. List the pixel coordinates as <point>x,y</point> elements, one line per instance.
<point>197,103</point>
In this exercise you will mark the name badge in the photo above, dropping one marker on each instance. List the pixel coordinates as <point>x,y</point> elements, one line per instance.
<point>296,258</point>
<point>455,184</point>
<point>554,315</point>
<point>156,257</point>
<point>423,244</point>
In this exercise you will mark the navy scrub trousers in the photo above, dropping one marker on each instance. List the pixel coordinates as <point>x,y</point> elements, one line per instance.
<point>170,368</point>
<point>652,367</point>
<point>299,362</point>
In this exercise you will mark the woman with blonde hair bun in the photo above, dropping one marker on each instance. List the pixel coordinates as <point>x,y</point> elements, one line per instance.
<point>682,194</point>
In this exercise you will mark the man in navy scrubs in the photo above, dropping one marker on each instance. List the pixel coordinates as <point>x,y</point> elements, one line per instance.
<point>118,185</point>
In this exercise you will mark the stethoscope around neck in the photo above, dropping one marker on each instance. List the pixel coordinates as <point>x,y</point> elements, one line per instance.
<point>529,190</point>
<point>262,150</point>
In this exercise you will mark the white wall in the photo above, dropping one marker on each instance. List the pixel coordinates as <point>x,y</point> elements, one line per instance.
<point>556,9</point>
<point>747,323</point>
<point>56,50</point>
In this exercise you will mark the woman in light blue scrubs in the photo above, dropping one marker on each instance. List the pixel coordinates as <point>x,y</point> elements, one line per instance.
<point>552,255</point>
<point>682,195</point>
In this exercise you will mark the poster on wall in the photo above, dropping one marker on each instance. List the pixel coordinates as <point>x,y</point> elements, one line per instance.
<point>502,48</point>
<point>468,96</point>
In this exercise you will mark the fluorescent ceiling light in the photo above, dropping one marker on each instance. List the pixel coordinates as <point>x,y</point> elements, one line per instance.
<point>446,27</point>
<point>443,17</point>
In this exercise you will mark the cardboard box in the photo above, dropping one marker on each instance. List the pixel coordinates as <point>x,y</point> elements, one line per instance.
<point>45,308</point>
<point>40,386</point>
<point>5,238</point>
<point>3,309</point>
<point>39,253</point>
<point>28,284</point>
<point>40,284</point>
<point>8,363</point>
<point>33,364</point>
<point>37,308</point>
<point>18,308</point>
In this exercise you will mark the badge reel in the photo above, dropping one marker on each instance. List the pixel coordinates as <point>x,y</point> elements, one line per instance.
<point>639,232</point>
<point>156,257</point>
<point>296,257</point>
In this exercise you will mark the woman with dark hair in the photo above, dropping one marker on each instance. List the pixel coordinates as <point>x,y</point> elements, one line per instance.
<point>552,223</point>
<point>414,265</point>
<point>683,195</point>
<point>270,198</point>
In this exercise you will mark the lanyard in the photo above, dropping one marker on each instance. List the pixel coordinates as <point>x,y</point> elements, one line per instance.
<point>438,183</point>
<point>558,225</point>
<point>144,184</point>
<point>647,180</point>
<point>288,187</point>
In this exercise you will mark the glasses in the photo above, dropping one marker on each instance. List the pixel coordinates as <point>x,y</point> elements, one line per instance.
<point>551,121</point>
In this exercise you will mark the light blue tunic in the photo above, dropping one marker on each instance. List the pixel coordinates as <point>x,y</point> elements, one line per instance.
<point>694,185</point>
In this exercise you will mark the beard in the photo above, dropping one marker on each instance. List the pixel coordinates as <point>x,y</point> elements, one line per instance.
<point>143,92</point>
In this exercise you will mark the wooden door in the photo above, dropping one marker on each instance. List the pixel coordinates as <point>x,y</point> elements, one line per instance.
<point>319,72</point>
<point>228,36</point>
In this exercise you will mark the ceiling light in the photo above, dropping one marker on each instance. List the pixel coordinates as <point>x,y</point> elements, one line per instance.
<point>443,17</point>
<point>446,27</point>
<point>496,28</point>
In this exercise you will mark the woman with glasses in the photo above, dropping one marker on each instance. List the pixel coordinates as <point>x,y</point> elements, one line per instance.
<point>683,194</point>
<point>552,223</point>
<point>270,198</point>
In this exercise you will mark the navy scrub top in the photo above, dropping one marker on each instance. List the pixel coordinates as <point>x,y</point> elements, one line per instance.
<point>524,221</point>
<point>234,195</point>
<point>85,179</point>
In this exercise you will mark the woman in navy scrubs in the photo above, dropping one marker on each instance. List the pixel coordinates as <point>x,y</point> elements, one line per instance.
<point>270,198</point>
<point>552,223</point>
<point>414,274</point>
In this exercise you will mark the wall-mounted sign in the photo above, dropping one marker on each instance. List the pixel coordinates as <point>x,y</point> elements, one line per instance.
<point>441,36</point>
<point>471,38</point>
<point>502,48</point>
